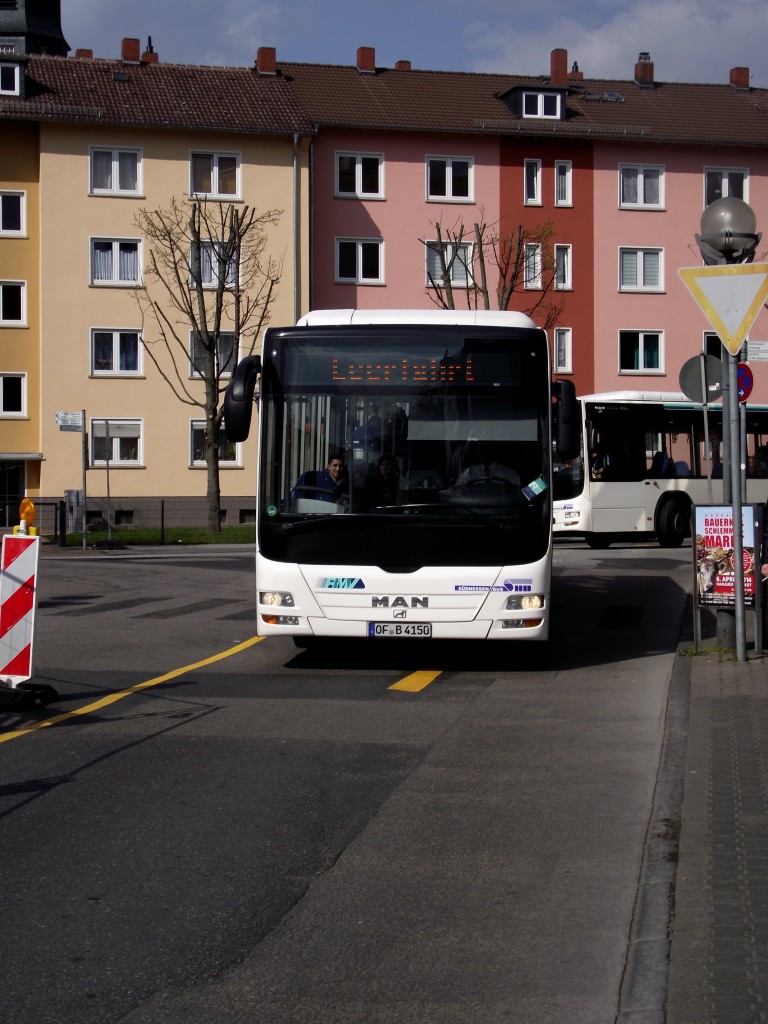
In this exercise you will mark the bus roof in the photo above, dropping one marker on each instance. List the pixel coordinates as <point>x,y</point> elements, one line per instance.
<point>461,317</point>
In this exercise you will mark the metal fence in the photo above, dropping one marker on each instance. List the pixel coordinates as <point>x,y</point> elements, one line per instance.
<point>137,520</point>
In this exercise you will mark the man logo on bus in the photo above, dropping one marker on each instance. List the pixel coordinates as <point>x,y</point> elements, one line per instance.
<point>400,602</point>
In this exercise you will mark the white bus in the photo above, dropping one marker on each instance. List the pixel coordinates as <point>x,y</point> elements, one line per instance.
<point>643,466</point>
<point>437,548</point>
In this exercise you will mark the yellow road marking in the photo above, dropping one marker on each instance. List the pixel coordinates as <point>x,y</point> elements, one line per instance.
<point>416,681</point>
<point>112,698</point>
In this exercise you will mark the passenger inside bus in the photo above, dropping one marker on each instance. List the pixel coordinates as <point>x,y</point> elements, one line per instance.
<point>383,488</point>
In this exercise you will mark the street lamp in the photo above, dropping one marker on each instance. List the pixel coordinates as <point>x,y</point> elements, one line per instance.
<point>728,235</point>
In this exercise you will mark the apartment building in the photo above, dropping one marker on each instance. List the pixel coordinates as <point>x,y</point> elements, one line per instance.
<point>93,142</point>
<point>618,172</point>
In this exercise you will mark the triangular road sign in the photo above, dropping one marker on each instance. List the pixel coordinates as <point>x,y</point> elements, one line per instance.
<point>729,296</point>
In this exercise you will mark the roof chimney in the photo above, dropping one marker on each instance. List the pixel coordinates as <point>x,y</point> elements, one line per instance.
<point>740,78</point>
<point>83,54</point>
<point>130,50</point>
<point>574,75</point>
<point>558,74</point>
<point>402,65</point>
<point>266,60</point>
<point>644,69</point>
<point>149,56</point>
<point>366,60</point>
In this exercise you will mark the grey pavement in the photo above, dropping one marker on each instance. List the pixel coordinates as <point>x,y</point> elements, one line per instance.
<point>718,949</point>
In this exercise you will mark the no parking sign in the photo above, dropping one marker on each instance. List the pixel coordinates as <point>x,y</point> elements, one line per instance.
<point>745,381</point>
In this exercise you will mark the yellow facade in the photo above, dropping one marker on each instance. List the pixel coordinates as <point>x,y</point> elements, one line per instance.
<point>273,175</point>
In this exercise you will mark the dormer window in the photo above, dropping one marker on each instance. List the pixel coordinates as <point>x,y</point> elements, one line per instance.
<point>542,105</point>
<point>9,79</point>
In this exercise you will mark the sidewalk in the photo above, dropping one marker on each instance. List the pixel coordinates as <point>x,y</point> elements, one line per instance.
<point>718,970</point>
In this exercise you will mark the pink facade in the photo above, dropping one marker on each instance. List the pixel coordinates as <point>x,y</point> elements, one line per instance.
<point>400,219</point>
<point>670,229</point>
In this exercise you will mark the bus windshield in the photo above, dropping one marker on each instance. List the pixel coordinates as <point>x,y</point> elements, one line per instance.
<point>405,448</point>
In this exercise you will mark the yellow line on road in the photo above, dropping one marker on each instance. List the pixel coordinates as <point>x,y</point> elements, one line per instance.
<point>112,698</point>
<point>416,681</point>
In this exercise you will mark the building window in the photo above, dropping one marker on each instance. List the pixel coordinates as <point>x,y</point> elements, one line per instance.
<point>450,178</point>
<point>9,79</point>
<point>227,448</point>
<point>723,181</point>
<point>360,175</point>
<point>563,261</point>
<point>115,352</point>
<point>12,213</point>
<point>226,356</point>
<point>458,264</point>
<point>212,266</point>
<point>13,303</point>
<point>215,174</point>
<point>713,346</point>
<point>532,175</point>
<point>541,104</point>
<point>640,270</point>
<point>116,441</point>
<point>532,265</point>
<point>115,171</point>
<point>641,187</point>
<point>13,394</point>
<point>563,350</point>
<point>641,352</point>
<point>563,188</point>
<point>359,261</point>
<point>114,262</point>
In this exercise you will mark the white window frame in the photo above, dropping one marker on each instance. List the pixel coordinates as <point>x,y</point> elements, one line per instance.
<point>198,426</point>
<point>233,272</point>
<point>115,152</point>
<point>564,172</point>
<point>116,370</point>
<point>22,321</point>
<point>196,374</point>
<point>10,414</point>
<point>118,431</point>
<point>532,266</point>
<point>116,281</point>
<point>642,170</point>
<point>460,270</point>
<point>215,192</point>
<point>449,197</point>
<point>359,244</point>
<point>641,253</point>
<point>726,172</point>
<point>541,100</point>
<point>532,197</point>
<point>22,230</point>
<point>563,278</point>
<point>645,371</point>
<point>15,75</point>
<point>562,355</point>
<point>359,191</point>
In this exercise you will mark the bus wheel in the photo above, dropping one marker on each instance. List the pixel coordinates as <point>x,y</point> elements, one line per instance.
<point>598,540</point>
<point>672,524</point>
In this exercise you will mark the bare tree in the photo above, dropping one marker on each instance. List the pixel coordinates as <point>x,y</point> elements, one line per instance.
<point>461,260</point>
<point>209,279</point>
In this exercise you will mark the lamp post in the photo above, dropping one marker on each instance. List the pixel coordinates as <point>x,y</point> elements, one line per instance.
<point>728,236</point>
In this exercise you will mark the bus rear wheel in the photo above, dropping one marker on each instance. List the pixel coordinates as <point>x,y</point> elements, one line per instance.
<point>600,541</point>
<point>673,524</point>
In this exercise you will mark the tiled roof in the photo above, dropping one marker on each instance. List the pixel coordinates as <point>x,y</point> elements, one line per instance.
<point>413,100</point>
<point>157,95</point>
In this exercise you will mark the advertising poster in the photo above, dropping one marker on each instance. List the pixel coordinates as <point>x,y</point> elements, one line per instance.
<point>713,566</point>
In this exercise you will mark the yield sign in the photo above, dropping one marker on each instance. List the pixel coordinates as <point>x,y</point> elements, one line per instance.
<point>729,296</point>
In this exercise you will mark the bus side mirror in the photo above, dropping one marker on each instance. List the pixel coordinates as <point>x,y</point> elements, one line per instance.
<point>238,398</point>
<point>567,419</point>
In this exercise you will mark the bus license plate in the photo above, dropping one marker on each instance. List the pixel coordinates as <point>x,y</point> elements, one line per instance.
<point>400,629</point>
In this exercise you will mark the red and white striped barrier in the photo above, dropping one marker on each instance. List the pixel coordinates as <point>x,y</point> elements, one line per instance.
<point>18,573</point>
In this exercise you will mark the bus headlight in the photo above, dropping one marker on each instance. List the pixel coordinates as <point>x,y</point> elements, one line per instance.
<point>276,598</point>
<point>524,602</point>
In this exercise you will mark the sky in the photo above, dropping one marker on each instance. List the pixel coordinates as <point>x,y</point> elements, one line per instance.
<point>688,40</point>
